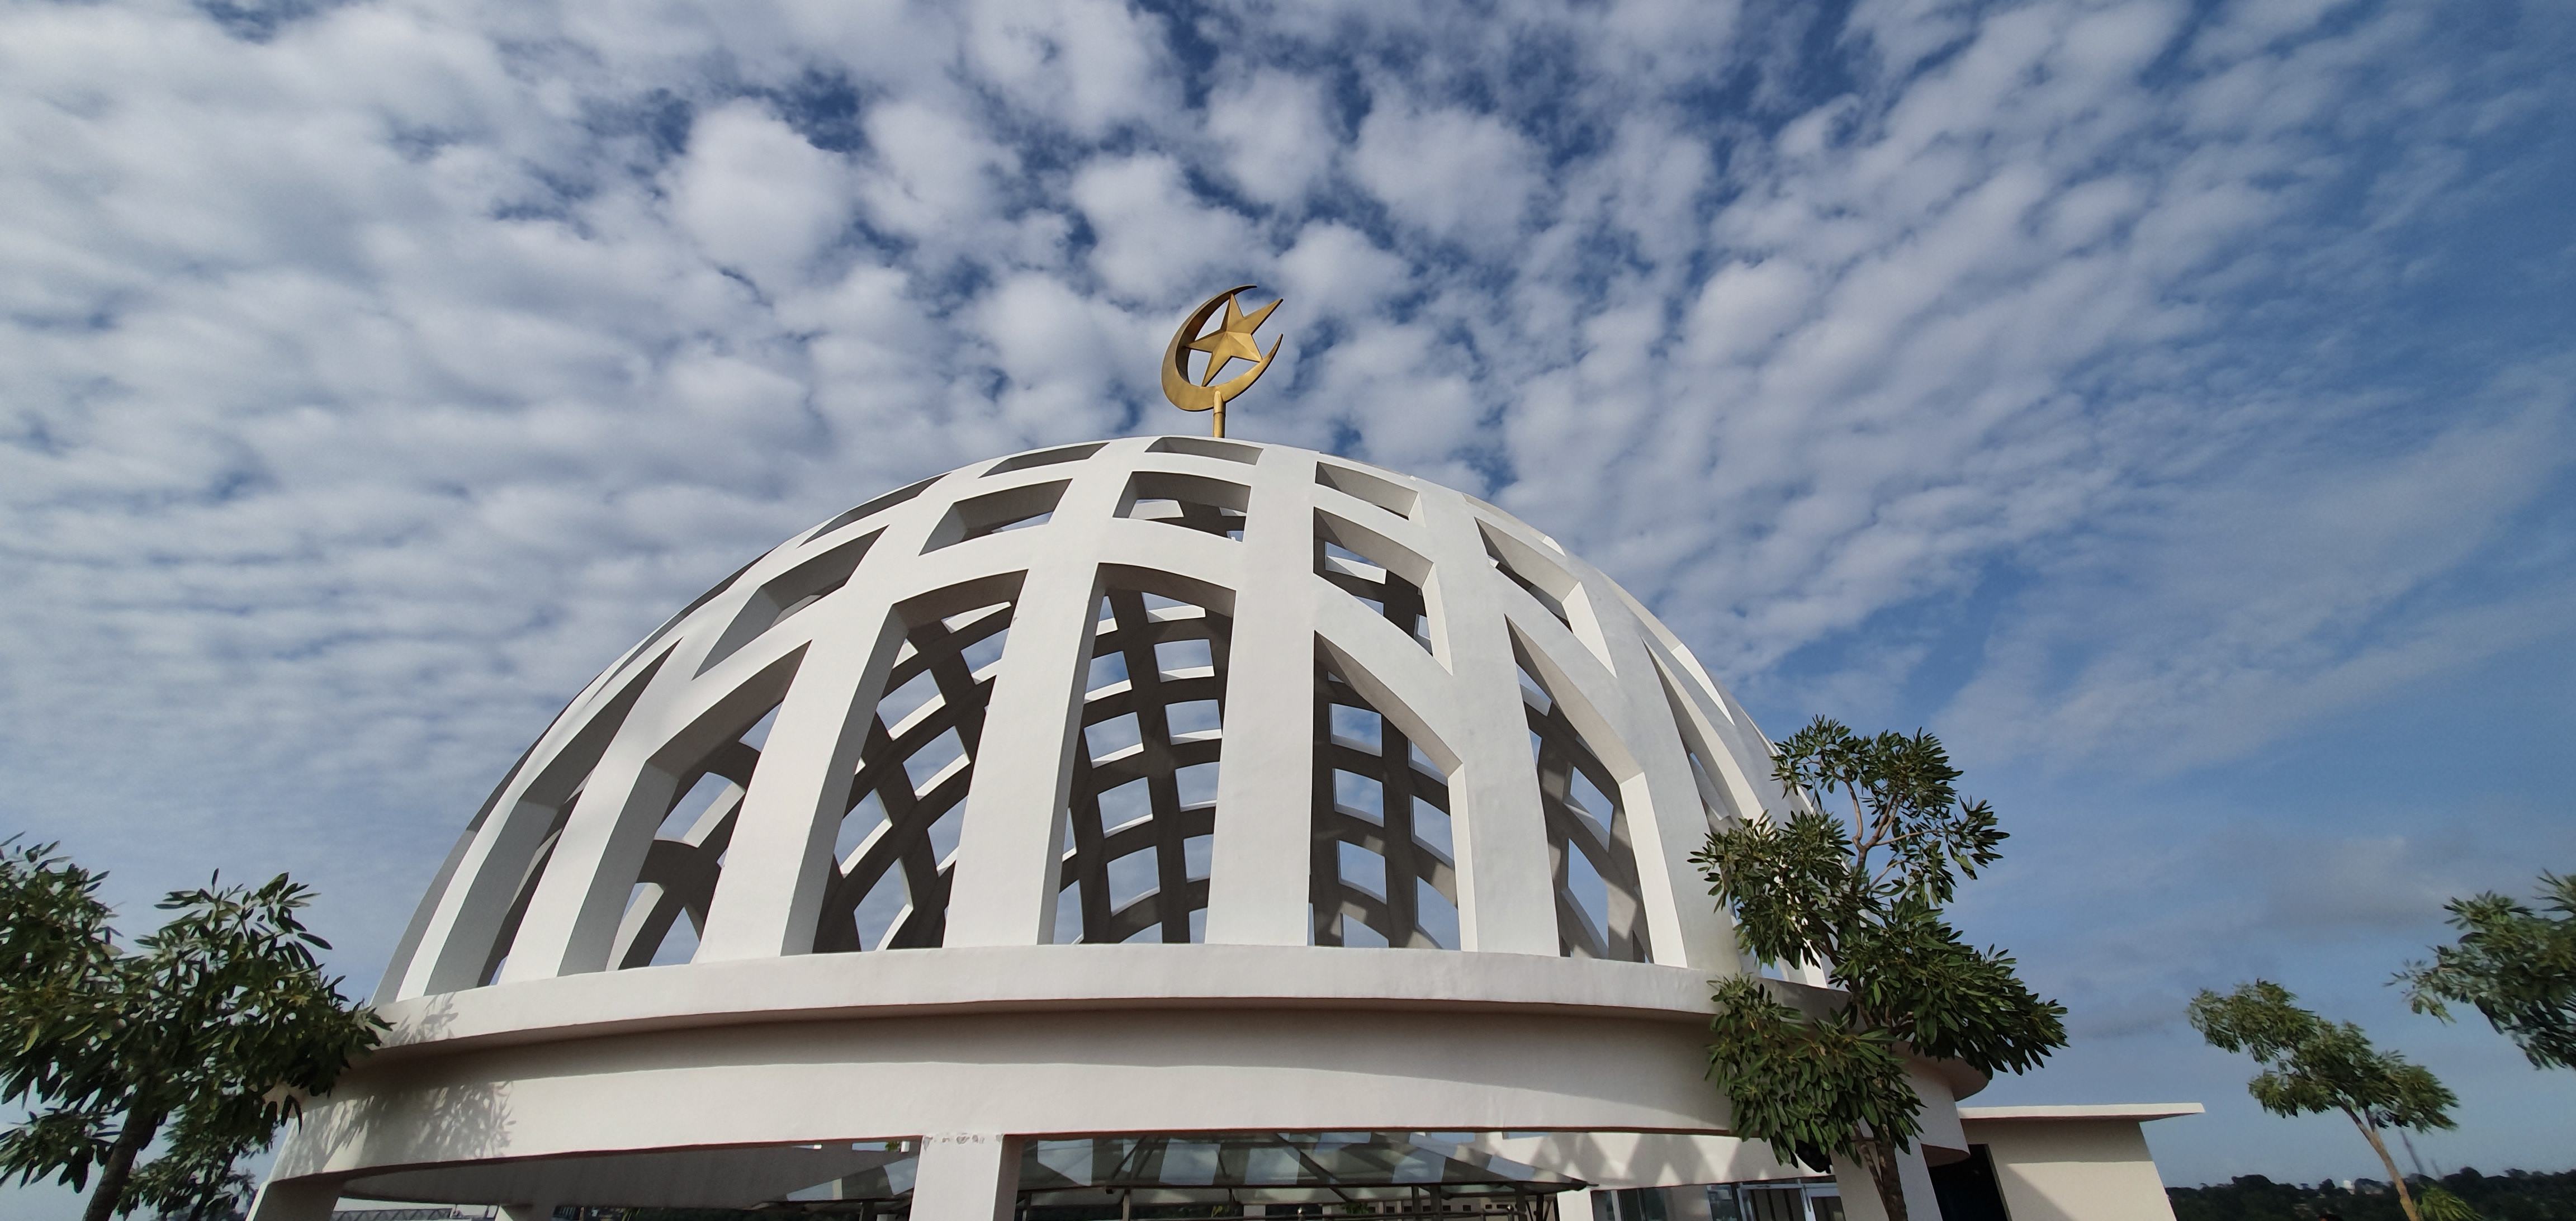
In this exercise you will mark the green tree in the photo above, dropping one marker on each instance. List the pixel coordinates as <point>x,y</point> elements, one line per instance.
<point>2438,1204</point>
<point>207,1033</point>
<point>2513,965</point>
<point>1863,901</point>
<point>2311,1066</point>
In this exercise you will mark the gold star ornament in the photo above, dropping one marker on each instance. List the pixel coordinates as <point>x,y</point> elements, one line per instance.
<point>1233,339</point>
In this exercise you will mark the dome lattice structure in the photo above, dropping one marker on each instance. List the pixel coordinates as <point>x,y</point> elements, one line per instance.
<point>1149,786</point>
<point>1170,689</point>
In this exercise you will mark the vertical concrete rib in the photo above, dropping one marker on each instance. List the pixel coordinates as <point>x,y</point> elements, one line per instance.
<point>1005,882</point>
<point>1256,885</point>
<point>1497,823</point>
<point>966,1177</point>
<point>572,919</point>
<point>770,894</point>
<point>1668,823</point>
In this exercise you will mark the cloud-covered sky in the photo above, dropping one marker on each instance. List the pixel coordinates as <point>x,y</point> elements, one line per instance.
<point>2168,403</point>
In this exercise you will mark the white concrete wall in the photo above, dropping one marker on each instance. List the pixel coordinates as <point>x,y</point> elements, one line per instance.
<point>1013,1074</point>
<point>1860,1192</point>
<point>2074,1169</point>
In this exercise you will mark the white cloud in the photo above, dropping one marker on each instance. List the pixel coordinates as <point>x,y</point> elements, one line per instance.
<point>1154,240</point>
<point>1085,64</point>
<point>2220,616</point>
<point>939,174</point>
<point>1746,307</point>
<point>1334,270</point>
<point>1279,142</point>
<point>1460,175</point>
<point>756,196</point>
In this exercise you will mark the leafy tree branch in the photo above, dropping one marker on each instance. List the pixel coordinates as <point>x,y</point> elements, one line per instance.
<point>208,1033</point>
<point>2514,965</point>
<point>1861,900</point>
<point>2311,1066</point>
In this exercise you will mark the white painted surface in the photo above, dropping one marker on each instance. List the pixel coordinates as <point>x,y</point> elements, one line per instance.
<point>967,1176</point>
<point>2140,1111</point>
<point>284,1200</point>
<point>1860,1192</point>
<point>2058,1167</point>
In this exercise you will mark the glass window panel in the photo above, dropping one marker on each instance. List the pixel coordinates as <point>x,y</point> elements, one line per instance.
<point>1361,795</point>
<point>1359,725</point>
<point>1363,869</point>
<point>1193,716</point>
<point>1113,735</point>
<point>1125,804</point>
<point>1197,784</point>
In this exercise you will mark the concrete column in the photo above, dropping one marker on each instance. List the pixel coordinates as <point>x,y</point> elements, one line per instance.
<point>1505,886</point>
<point>1666,820</point>
<point>1860,1192</point>
<point>295,1200</point>
<point>1257,884</point>
<point>770,895</point>
<point>572,918</point>
<point>966,1176</point>
<point>1004,892</point>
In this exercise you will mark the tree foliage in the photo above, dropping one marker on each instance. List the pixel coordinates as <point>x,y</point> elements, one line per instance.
<point>1862,900</point>
<point>2438,1204</point>
<point>2515,1195</point>
<point>2311,1066</point>
<point>208,1033</point>
<point>2515,966</point>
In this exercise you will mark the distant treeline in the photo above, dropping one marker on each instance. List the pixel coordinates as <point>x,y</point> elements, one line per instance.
<point>2515,1195</point>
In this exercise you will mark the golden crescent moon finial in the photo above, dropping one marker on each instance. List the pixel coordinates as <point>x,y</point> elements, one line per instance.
<point>1233,340</point>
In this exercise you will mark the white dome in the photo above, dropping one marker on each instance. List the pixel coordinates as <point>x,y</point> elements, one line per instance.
<point>1149,786</point>
<point>1158,689</point>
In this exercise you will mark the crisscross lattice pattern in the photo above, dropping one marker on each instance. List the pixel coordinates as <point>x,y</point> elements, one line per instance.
<point>681,867</point>
<point>1143,809</point>
<point>1390,595</point>
<point>1598,908</point>
<point>889,887</point>
<point>1382,872</point>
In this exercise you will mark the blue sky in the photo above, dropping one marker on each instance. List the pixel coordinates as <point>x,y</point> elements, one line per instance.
<point>2166,403</point>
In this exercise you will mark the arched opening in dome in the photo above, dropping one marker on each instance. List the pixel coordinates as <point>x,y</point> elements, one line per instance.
<point>1714,798</point>
<point>666,909</point>
<point>894,851</point>
<point>1139,828</point>
<point>1383,871</point>
<point>524,844</point>
<point>788,593</point>
<point>1600,911</point>
<point>1206,447</point>
<point>1378,490</point>
<point>1544,582</point>
<point>1044,457</point>
<point>1192,502</point>
<point>1387,578</point>
<point>1021,508</point>
<point>869,509</point>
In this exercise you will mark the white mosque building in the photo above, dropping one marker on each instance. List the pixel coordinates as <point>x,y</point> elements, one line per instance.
<point>1168,826</point>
